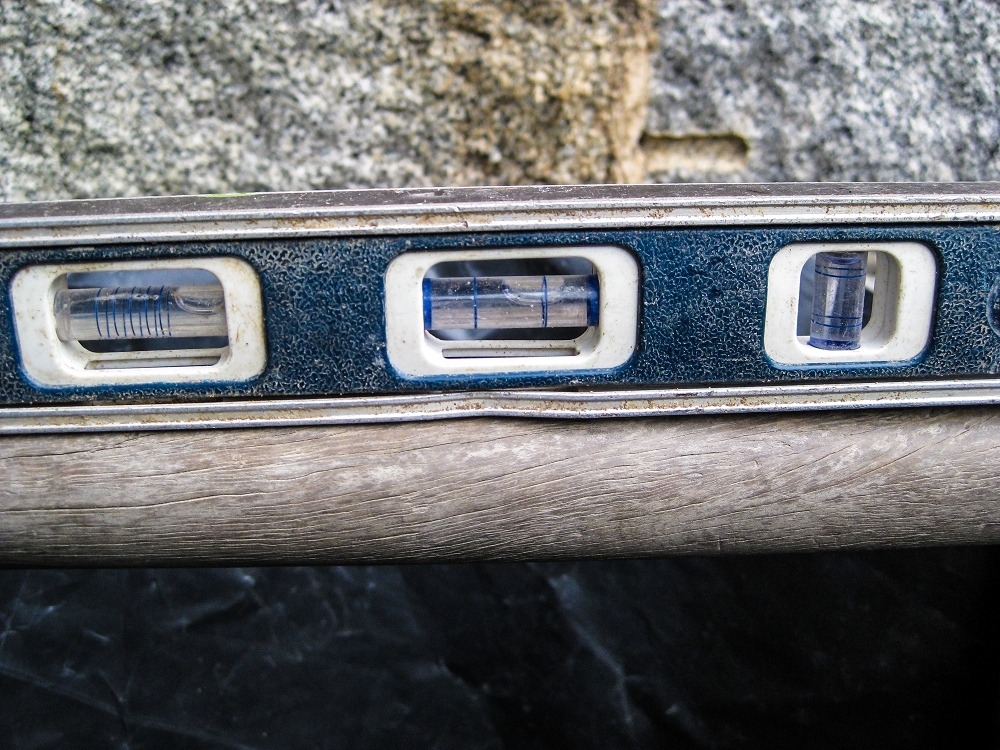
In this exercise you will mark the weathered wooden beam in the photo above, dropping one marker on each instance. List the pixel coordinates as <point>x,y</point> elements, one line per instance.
<point>480,489</point>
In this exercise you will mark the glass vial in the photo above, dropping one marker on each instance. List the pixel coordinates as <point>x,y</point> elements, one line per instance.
<point>838,301</point>
<point>489,302</point>
<point>153,312</point>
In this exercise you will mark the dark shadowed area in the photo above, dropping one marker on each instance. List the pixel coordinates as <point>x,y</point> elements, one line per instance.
<point>893,649</point>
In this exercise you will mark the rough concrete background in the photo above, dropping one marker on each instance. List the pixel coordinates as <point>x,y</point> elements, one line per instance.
<point>133,98</point>
<point>130,98</point>
<point>833,90</point>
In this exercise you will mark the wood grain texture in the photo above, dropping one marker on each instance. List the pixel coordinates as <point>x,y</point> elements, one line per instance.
<point>479,489</point>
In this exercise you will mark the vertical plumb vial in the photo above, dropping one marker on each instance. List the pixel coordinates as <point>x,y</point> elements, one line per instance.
<point>838,301</point>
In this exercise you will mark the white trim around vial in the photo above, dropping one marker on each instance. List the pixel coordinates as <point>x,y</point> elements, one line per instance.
<point>50,363</point>
<point>413,352</point>
<point>899,329</point>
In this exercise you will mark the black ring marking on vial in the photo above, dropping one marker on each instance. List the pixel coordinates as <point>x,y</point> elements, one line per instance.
<point>593,300</point>
<point>159,310</point>
<point>114,310</point>
<point>428,311</point>
<point>837,325</point>
<point>145,314</point>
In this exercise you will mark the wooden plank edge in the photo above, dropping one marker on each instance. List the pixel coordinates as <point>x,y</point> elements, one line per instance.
<point>503,489</point>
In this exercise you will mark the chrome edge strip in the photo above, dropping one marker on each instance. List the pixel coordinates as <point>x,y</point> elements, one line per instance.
<point>382,212</point>
<point>536,404</point>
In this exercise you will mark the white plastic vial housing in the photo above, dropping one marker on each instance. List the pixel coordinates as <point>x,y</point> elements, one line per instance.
<point>581,315</point>
<point>904,279</point>
<point>133,322</point>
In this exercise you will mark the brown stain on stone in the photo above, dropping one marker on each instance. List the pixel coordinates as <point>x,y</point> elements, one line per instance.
<point>685,155</point>
<point>544,92</point>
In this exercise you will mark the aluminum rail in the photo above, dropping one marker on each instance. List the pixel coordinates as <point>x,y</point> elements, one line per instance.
<point>544,404</point>
<point>420,211</point>
<point>373,212</point>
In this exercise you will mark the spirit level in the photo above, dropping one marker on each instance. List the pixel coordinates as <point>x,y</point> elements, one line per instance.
<point>390,305</point>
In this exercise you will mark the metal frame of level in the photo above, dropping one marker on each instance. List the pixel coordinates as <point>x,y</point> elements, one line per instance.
<point>420,211</point>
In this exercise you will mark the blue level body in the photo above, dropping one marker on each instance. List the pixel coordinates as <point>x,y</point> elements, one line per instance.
<point>702,305</point>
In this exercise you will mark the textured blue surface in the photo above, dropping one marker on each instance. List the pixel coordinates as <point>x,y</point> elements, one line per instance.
<point>702,313</point>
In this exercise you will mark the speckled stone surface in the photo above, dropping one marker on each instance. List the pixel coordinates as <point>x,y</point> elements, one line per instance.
<point>132,98</point>
<point>129,98</point>
<point>835,90</point>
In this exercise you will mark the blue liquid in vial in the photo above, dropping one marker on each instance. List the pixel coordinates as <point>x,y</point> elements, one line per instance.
<point>838,301</point>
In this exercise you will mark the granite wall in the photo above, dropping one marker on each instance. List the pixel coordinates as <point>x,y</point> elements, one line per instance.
<point>133,98</point>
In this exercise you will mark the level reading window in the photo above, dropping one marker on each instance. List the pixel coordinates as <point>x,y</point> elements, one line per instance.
<point>517,308</point>
<point>849,304</point>
<point>122,322</point>
<point>476,311</point>
<point>533,303</point>
<point>835,298</point>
